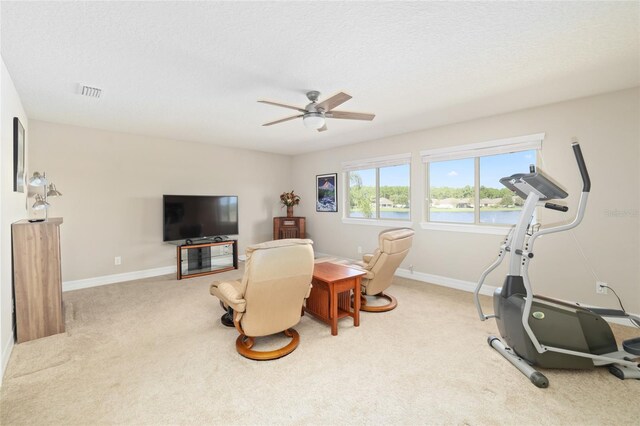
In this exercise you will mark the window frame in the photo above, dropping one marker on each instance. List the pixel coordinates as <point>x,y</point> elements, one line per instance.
<point>374,163</point>
<point>475,151</point>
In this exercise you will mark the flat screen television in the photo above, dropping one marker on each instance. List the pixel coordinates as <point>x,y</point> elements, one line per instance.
<point>199,216</point>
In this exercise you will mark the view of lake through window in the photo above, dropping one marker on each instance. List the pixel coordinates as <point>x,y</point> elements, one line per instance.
<point>465,190</point>
<point>453,193</point>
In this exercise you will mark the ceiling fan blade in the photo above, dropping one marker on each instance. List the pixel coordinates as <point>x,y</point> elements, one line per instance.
<point>350,115</point>
<point>284,106</point>
<point>323,128</point>
<point>283,120</point>
<point>334,101</point>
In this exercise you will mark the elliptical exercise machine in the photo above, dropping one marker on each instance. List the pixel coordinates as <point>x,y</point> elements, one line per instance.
<point>542,331</point>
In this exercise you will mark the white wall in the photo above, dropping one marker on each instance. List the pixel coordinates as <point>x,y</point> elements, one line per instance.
<point>608,129</point>
<point>12,206</point>
<point>112,186</point>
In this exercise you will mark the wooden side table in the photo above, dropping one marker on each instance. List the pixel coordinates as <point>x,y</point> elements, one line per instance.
<point>37,279</point>
<point>288,227</point>
<point>330,297</point>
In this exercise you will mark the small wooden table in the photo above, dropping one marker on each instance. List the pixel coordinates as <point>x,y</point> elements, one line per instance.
<point>288,227</point>
<point>330,297</point>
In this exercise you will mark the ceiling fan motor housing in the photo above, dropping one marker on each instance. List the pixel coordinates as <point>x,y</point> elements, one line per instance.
<point>312,108</point>
<point>313,95</point>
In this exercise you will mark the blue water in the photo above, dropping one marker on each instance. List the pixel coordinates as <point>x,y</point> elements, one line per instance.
<point>500,217</point>
<point>509,217</point>
<point>385,215</point>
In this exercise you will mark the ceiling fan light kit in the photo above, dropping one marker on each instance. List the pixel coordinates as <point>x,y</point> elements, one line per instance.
<point>313,120</point>
<point>314,114</point>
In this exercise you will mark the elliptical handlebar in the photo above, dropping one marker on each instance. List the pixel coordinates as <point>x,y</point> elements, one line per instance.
<point>582,203</point>
<point>558,207</point>
<point>586,181</point>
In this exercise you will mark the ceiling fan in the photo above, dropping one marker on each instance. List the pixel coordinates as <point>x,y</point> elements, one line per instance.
<point>314,114</point>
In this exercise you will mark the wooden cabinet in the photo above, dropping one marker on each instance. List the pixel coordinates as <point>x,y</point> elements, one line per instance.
<point>37,279</point>
<point>288,227</point>
<point>206,257</point>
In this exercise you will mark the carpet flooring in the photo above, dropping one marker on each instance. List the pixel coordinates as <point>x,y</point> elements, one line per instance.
<point>153,352</point>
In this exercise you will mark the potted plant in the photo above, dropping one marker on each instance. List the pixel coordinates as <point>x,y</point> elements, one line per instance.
<point>288,200</point>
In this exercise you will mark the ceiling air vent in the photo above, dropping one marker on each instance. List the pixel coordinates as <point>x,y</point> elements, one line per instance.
<point>92,92</point>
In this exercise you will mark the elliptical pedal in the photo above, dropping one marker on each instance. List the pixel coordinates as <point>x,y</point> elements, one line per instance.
<point>623,372</point>
<point>632,346</point>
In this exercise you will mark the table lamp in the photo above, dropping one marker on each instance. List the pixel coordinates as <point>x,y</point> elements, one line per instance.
<point>48,190</point>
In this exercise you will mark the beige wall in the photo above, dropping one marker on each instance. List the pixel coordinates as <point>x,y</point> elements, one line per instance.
<point>12,205</point>
<point>112,186</point>
<point>608,129</point>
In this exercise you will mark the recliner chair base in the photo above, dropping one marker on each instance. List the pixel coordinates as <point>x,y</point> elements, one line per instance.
<point>245,343</point>
<point>384,308</point>
<point>227,319</point>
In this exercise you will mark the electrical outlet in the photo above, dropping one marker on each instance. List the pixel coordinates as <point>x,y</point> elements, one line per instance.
<point>601,287</point>
<point>359,249</point>
<point>117,260</point>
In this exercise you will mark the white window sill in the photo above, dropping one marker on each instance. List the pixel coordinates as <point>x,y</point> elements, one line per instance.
<point>464,227</point>
<point>378,222</point>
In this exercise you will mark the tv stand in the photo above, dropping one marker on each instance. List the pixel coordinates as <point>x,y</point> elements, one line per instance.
<point>206,257</point>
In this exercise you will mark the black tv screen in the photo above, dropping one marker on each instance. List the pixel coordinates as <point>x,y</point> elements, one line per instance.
<point>199,216</point>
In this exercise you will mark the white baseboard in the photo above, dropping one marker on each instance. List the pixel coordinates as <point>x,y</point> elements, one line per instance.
<point>318,255</point>
<point>116,278</point>
<point>7,347</point>
<point>445,281</point>
<point>620,321</point>
<point>471,287</point>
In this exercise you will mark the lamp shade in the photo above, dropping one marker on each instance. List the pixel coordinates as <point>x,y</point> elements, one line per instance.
<point>38,179</point>
<point>40,203</point>
<point>53,192</point>
<point>313,120</point>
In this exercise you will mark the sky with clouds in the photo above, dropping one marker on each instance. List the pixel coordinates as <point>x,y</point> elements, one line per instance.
<point>457,173</point>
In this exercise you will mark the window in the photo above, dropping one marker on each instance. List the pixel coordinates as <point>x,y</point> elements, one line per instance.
<point>379,188</point>
<point>463,183</point>
<point>498,205</point>
<point>451,190</point>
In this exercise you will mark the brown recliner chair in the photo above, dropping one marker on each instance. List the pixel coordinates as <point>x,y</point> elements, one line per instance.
<point>382,264</point>
<point>269,299</point>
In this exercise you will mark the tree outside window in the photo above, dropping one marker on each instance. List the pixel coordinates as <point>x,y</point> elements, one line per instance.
<point>380,193</point>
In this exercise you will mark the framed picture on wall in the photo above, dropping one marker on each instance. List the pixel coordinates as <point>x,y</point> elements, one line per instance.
<point>18,156</point>
<point>327,193</point>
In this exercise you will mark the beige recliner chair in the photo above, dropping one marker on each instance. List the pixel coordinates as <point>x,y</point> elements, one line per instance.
<point>382,265</point>
<point>269,299</point>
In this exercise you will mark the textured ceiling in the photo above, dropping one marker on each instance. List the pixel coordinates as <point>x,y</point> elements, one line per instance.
<point>194,70</point>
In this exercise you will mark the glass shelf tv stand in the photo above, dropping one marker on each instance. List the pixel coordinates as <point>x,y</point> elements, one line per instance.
<point>206,257</point>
